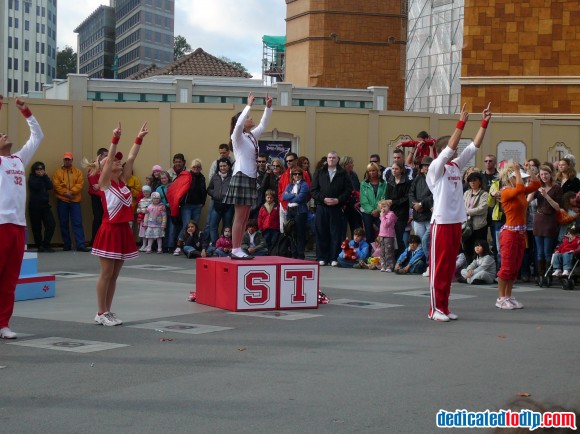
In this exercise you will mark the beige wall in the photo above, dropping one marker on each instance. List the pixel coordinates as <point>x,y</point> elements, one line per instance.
<point>197,129</point>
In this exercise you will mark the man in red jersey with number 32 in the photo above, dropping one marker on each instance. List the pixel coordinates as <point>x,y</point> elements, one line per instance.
<point>12,213</point>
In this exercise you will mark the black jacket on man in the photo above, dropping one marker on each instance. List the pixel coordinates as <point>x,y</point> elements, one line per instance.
<point>340,187</point>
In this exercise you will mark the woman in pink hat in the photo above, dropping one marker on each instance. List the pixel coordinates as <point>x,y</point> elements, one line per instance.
<point>114,241</point>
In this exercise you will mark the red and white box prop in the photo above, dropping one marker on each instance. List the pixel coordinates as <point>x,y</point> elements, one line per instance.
<point>264,283</point>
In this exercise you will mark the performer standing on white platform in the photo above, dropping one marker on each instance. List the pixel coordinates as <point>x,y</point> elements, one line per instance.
<point>114,241</point>
<point>243,189</point>
<point>444,180</point>
<point>12,213</point>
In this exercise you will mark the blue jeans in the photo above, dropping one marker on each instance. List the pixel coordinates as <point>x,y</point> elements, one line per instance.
<point>563,261</point>
<point>544,248</point>
<point>187,249</point>
<point>71,212</point>
<point>423,231</point>
<point>345,263</point>
<point>227,217</point>
<point>497,225</point>
<point>259,252</point>
<point>189,212</point>
<point>170,235</point>
<point>528,259</point>
<point>218,252</point>
<point>269,235</point>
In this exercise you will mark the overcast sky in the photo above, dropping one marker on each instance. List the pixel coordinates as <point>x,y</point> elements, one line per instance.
<point>231,28</point>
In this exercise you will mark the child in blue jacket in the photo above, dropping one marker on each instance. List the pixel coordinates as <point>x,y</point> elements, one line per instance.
<point>412,260</point>
<point>358,250</point>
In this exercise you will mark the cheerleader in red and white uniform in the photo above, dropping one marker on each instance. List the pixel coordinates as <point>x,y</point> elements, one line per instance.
<point>114,241</point>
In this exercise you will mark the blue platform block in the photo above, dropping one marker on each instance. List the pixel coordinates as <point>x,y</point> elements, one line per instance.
<point>32,285</point>
<point>29,265</point>
<point>39,286</point>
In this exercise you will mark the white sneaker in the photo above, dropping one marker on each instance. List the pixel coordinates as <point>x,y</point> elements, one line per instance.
<point>105,319</point>
<point>177,251</point>
<point>426,273</point>
<point>113,316</point>
<point>516,304</point>
<point>566,273</point>
<point>452,316</point>
<point>334,263</point>
<point>504,303</point>
<point>557,273</point>
<point>321,263</point>
<point>438,316</point>
<point>6,333</point>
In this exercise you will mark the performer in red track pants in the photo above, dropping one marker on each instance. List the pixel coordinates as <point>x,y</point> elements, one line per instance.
<point>444,180</point>
<point>12,213</point>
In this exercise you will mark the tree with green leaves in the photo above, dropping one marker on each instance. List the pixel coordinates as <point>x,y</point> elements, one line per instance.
<point>233,63</point>
<point>66,62</point>
<point>180,47</point>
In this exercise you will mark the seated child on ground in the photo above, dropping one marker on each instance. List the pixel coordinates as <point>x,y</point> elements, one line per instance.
<point>195,243</point>
<point>563,257</point>
<point>460,264</point>
<point>223,245</point>
<point>354,251</point>
<point>253,242</point>
<point>412,260</point>
<point>374,260</point>
<point>482,270</point>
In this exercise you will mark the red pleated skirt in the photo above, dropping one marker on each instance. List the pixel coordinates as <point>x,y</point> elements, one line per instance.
<point>115,241</point>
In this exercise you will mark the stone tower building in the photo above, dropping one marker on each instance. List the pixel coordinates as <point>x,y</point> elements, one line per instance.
<point>523,56</point>
<point>347,44</point>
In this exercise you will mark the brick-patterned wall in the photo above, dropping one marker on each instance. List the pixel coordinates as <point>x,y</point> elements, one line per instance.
<point>536,38</point>
<point>357,56</point>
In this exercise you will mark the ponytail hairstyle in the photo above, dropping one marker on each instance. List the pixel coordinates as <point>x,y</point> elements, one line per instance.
<point>233,123</point>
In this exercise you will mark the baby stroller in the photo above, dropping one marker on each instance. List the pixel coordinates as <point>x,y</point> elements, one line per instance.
<point>566,280</point>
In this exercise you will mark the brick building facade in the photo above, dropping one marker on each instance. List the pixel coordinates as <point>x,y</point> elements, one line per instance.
<point>347,44</point>
<point>523,56</point>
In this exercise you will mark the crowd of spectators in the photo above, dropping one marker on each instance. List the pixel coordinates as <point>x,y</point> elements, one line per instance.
<point>318,208</point>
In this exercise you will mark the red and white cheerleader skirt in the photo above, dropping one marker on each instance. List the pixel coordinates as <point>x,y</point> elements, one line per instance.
<point>115,241</point>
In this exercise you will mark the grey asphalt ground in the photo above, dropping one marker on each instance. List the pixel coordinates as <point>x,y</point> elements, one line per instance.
<point>377,366</point>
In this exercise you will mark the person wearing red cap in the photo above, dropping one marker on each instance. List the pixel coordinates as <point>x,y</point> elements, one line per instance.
<point>12,213</point>
<point>68,184</point>
<point>114,242</point>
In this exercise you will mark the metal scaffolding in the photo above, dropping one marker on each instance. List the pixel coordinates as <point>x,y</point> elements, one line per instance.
<point>273,59</point>
<point>434,43</point>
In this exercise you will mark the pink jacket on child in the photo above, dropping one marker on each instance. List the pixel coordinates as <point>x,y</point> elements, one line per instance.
<point>223,243</point>
<point>388,225</point>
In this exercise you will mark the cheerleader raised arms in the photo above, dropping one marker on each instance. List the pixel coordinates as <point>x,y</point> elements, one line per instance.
<point>114,242</point>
